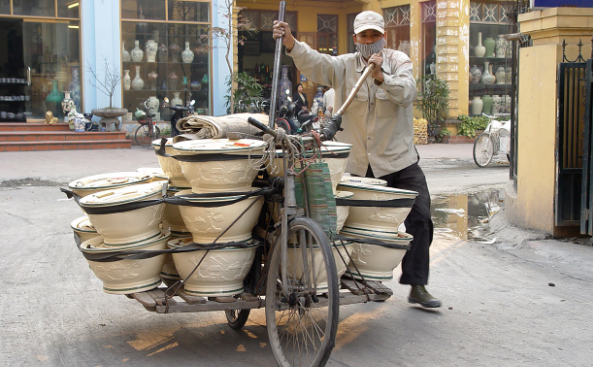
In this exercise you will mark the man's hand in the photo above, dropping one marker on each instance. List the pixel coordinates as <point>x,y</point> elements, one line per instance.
<point>377,73</point>
<point>283,29</point>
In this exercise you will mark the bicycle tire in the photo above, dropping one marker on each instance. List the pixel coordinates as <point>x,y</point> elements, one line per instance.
<point>237,318</point>
<point>144,138</point>
<point>483,150</point>
<point>289,316</point>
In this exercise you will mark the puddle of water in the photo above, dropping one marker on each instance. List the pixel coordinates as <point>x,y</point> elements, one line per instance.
<point>466,216</point>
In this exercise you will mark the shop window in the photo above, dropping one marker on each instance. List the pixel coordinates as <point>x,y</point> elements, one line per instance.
<point>350,31</point>
<point>429,42</point>
<point>68,8</point>
<point>169,57</point>
<point>327,34</point>
<point>40,8</point>
<point>397,28</point>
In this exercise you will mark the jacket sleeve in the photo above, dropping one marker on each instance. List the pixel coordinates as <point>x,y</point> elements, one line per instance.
<point>400,86</point>
<point>320,68</point>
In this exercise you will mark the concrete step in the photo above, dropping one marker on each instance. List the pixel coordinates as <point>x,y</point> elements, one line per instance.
<point>59,136</point>
<point>15,146</point>
<point>32,126</point>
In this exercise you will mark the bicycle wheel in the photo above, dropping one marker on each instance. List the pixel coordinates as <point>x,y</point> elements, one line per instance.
<point>483,150</point>
<point>143,136</point>
<point>303,320</point>
<point>237,318</point>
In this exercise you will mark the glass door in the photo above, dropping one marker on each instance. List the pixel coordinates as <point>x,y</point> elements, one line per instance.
<point>13,87</point>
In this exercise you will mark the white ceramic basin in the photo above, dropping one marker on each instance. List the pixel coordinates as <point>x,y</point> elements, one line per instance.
<point>170,166</point>
<point>83,227</point>
<point>172,219</point>
<point>346,179</point>
<point>128,276</point>
<point>220,175</point>
<point>131,226</point>
<point>342,211</point>
<point>92,184</point>
<point>221,272</point>
<point>157,173</point>
<point>169,272</point>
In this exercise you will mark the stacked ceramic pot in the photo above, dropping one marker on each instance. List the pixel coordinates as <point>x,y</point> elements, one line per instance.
<point>374,261</point>
<point>224,171</point>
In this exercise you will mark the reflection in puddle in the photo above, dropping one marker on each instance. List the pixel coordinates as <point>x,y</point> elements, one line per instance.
<point>466,216</point>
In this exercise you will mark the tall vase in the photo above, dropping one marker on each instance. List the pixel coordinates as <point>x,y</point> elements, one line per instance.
<point>54,98</point>
<point>501,46</point>
<point>318,97</point>
<point>74,86</point>
<point>173,81</point>
<point>67,105</point>
<point>174,52</point>
<point>500,75</point>
<point>477,105</point>
<point>205,81</point>
<point>152,77</point>
<point>187,56</point>
<point>125,55</point>
<point>479,50</point>
<point>487,109</point>
<point>137,83</point>
<point>487,77</point>
<point>163,53</point>
<point>153,104</point>
<point>476,74</point>
<point>489,43</point>
<point>151,46</point>
<point>176,100</point>
<point>285,85</point>
<point>126,80</point>
<point>137,54</point>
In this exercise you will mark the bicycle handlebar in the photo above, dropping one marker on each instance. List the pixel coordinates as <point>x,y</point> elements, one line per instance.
<point>327,133</point>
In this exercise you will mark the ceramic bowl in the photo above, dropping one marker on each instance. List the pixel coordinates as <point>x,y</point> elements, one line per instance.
<point>347,179</point>
<point>130,226</point>
<point>333,153</point>
<point>376,218</point>
<point>342,211</point>
<point>169,272</point>
<point>376,262</point>
<point>172,219</point>
<point>207,223</point>
<point>83,227</point>
<point>221,272</point>
<point>92,184</point>
<point>128,276</point>
<point>220,175</point>
<point>171,166</point>
<point>157,173</point>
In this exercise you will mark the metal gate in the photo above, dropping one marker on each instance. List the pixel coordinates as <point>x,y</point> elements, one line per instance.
<point>587,182</point>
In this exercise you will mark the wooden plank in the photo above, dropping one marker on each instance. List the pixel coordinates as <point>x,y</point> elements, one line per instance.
<point>145,300</point>
<point>247,297</point>
<point>379,288</point>
<point>192,300</point>
<point>159,296</point>
<point>353,286</point>
<point>210,306</point>
<point>223,299</point>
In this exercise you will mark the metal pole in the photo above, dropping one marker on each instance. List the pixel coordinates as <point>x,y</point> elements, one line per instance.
<point>276,71</point>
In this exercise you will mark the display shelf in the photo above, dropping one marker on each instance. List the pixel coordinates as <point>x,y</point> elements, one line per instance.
<point>477,59</point>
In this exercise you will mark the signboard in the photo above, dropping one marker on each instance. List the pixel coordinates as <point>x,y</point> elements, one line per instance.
<point>561,3</point>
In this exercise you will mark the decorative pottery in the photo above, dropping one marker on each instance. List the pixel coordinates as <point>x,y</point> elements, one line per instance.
<point>508,75</point>
<point>128,276</point>
<point>110,116</point>
<point>153,104</point>
<point>174,52</point>
<point>163,53</point>
<point>187,56</point>
<point>363,180</point>
<point>496,104</point>
<point>169,165</point>
<point>378,218</point>
<point>479,50</point>
<point>54,98</point>
<point>126,80</point>
<point>137,82</point>
<point>501,46</point>
<point>318,97</point>
<point>173,81</point>
<point>84,229</point>
<point>125,55</point>
<point>508,102</point>
<point>137,54</point>
<point>477,105</point>
<point>195,85</point>
<point>233,174</point>
<point>476,74</point>
<point>157,173</point>
<point>376,262</point>
<point>487,77</point>
<point>489,44</point>
<point>176,100</point>
<point>173,219</point>
<point>500,75</point>
<point>74,86</point>
<point>221,272</point>
<point>205,81</point>
<point>151,47</point>
<point>285,85</point>
<point>404,46</point>
<point>129,226</point>
<point>341,210</point>
<point>93,184</point>
<point>152,78</point>
<point>487,108</point>
<point>509,49</point>
<point>169,272</point>
<point>67,104</point>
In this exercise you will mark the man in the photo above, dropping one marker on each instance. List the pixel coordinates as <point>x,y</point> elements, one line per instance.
<point>328,101</point>
<point>379,125</point>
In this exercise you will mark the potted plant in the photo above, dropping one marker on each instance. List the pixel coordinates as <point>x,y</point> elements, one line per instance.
<point>433,102</point>
<point>248,93</point>
<point>443,136</point>
<point>469,125</point>
<point>109,115</point>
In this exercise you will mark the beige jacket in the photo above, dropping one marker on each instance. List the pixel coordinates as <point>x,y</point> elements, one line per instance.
<point>379,123</point>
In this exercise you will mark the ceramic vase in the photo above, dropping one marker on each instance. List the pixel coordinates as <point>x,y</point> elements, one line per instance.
<point>508,75</point>
<point>137,83</point>
<point>137,54</point>
<point>479,50</point>
<point>173,81</point>
<point>319,98</point>
<point>163,53</point>
<point>500,75</point>
<point>152,77</point>
<point>151,46</point>
<point>476,74</point>
<point>477,105</point>
<point>487,77</point>
<point>501,46</point>
<point>489,44</point>
<point>54,99</point>
<point>487,108</point>
<point>125,55</point>
<point>496,104</point>
<point>285,85</point>
<point>74,86</point>
<point>174,52</point>
<point>509,49</point>
<point>67,104</point>
<point>187,56</point>
<point>153,104</point>
<point>196,85</point>
<point>126,80</point>
<point>176,100</point>
<point>404,46</point>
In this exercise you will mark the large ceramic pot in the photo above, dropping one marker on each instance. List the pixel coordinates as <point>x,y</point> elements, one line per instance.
<point>171,166</point>
<point>476,74</point>
<point>342,211</point>
<point>128,276</point>
<point>127,227</point>
<point>375,262</point>
<point>230,222</point>
<point>157,174</point>
<point>235,173</point>
<point>333,153</point>
<point>489,44</point>
<point>92,184</point>
<point>501,46</point>
<point>173,219</point>
<point>477,105</point>
<point>84,229</point>
<point>377,218</point>
<point>169,272</point>
<point>151,47</point>
<point>109,117</point>
<point>221,272</point>
<point>137,54</point>
<point>487,108</point>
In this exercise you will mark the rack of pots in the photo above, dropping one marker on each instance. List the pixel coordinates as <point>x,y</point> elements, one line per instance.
<point>194,218</point>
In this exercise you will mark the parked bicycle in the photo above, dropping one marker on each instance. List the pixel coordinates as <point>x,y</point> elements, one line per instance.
<point>147,132</point>
<point>495,140</point>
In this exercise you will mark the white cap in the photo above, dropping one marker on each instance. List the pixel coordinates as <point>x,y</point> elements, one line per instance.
<point>369,20</point>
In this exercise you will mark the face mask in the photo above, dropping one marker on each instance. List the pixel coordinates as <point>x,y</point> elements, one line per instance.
<point>368,50</point>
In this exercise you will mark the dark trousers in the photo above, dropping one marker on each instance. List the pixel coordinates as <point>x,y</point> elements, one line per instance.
<point>416,262</point>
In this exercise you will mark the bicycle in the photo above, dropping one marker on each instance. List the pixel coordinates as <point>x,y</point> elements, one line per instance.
<point>179,113</point>
<point>495,139</point>
<point>147,132</point>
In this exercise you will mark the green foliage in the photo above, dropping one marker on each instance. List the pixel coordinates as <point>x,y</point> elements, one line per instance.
<point>444,132</point>
<point>165,132</point>
<point>469,125</point>
<point>247,92</point>
<point>433,99</point>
